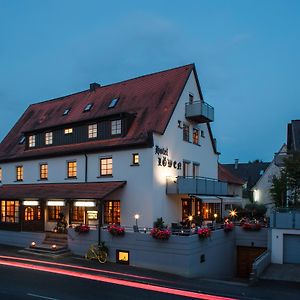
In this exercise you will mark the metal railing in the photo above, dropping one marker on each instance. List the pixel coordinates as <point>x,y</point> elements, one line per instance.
<point>199,108</point>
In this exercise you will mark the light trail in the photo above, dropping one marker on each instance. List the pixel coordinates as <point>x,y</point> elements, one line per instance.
<point>79,267</point>
<point>121,282</point>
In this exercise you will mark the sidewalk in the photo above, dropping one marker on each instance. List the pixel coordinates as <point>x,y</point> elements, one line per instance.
<point>264,289</point>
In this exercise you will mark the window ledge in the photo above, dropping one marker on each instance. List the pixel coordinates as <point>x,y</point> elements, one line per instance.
<point>104,176</point>
<point>70,178</point>
<point>18,181</point>
<point>134,165</point>
<point>41,179</point>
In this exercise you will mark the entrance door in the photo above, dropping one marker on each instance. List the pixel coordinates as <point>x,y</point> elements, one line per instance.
<point>32,218</point>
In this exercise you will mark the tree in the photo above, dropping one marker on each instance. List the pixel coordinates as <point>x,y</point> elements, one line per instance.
<point>278,189</point>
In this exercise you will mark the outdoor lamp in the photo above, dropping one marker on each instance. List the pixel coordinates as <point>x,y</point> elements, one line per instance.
<point>190,218</point>
<point>215,216</point>
<point>136,216</point>
<point>32,245</point>
<point>53,247</point>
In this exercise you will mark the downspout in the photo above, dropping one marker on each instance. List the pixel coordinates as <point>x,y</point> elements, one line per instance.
<point>99,220</point>
<point>86,168</point>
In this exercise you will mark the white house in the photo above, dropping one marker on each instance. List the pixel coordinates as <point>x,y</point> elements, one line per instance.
<point>142,146</point>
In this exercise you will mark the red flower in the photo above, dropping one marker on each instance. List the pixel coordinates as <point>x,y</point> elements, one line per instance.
<point>116,230</point>
<point>228,226</point>
<point>82,228</point>
<point>204,233</point>
<point>251,226</point>
<point>160,234</point>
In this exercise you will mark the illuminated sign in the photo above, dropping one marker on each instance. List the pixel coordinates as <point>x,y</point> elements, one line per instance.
<point>122,257</point>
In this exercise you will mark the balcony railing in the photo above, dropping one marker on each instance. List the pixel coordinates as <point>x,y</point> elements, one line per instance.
<point>199,111</point>
<point>196,185</point>
<point>285,218</point>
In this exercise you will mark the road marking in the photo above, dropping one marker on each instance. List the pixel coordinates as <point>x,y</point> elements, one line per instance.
<point>39,296</point>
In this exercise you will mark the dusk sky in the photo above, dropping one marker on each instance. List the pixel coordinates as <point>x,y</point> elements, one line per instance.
<point>247,55</point>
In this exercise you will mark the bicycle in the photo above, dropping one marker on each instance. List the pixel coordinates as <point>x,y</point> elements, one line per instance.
<point>99,252</point>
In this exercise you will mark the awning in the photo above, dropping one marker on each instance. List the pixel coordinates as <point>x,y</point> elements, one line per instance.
<point>207,199</point>
<point>231,200</point>
<point>97,190</point>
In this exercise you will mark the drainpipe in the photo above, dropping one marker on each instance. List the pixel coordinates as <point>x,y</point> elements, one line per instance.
<point>99,220</point>
<point>86,167</point>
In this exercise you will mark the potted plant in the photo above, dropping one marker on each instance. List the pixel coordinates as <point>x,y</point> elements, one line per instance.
<point>160,234</point>
<point>82,228</point>
<point>228,226</point>
<point>204,233</point>
<point>116,230</point>
<point>251,226</point>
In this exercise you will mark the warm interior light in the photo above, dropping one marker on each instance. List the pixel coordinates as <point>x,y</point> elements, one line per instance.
<point>30,203</point>
<point>85,204</point>
<point>55,203</point>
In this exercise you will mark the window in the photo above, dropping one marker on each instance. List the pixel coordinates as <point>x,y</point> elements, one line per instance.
<point>53,212</point>
<point>135,159</point>
<point>66,111</point>
<point>0,174</point>
<point>68,130</point>
<point>191,98</point>
<point>88,107</point>
<point>77,214</point>
<point>92,131</point>
<point>116,127</point>
<point>72,169</point>
<point>31,142</point>
<point>29,214</point>
<point>186,207</point>
<point>202,134</point>
<point>113,103</point>
<point>186,132</point>
<point>19,173</point>
<point>22,139</point>
<point>43,171</point>
<point>112,212</point>
<point>48,138</point>
<point>106,166</point>
<point>195,169</point>
<point>10,211</point>
<point>196,136</point>
<point>186,168</point>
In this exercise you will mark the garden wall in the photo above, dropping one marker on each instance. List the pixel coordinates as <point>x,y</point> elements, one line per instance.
<point>20,239</point>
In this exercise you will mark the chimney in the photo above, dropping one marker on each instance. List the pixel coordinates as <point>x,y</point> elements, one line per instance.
<point>236,163</point>
<point>93,86</point>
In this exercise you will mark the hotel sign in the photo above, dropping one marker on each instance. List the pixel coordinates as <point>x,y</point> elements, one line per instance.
<point>164,160</point>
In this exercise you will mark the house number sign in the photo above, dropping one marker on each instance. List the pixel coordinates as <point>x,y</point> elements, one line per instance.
<point>165,161</point>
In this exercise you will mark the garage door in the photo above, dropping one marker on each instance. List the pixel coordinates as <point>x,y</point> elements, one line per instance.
<point>291,249</point>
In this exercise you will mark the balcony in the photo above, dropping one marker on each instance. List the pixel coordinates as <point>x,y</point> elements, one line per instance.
<point>196,185</point>
<point>199,111</point>
<point>285,218</point>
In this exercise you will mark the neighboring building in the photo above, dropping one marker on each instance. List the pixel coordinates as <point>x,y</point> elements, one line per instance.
<point>142,146</point>
<point>250,173</point>
<point>261,190</point>
<point>293,136</point>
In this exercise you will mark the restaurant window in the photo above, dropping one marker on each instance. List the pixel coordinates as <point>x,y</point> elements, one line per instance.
<point>196,136</point>
<point>54,212</point>
<point>43,171</point>
<point>31,142</point>
<point>72,169</point>
<point>106,166</point>
<point>185,168</point>
<point>186,209</point>
<point>48,138</point>
<point>195,169</point>
<point>116,127</point>
<point>186,132</point>
<point>77,214</point>
<point>19,173</point>
<point>112,212</point>
<point>10,211</point>
<point>92,131</point>
<point>29,214</point>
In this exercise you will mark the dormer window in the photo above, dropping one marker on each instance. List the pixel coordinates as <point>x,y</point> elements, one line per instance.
<point>31,141</point>
<point>22,140</point>
<point>92,131</point>
<point>88,107</point>
<point>66,111</point>
<point>68,131</point>
<point>116,127</point>
<point>113,103</point>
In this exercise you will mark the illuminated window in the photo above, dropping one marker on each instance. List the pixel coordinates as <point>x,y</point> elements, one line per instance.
<point>77,214</point>
<point>112,212</point>
<point>92,131</point>
<point>48,138</point>
<point>19,173</point>
<point>113,103</point>
<point>68,130</point>
<point>31,141</point>
<point>116,127</point>
<point>186,207</point>
<point>43,171</point>
<point>53,212</point>
<point>72,169</point>
<point>29,214</point>
<point>10,211</point>
<point>186,132</point>
<point>66,111</point>
<point>122,257</point>
<point>0,174</point>
<point>106,166</point>
<point>135,159</point>
<point>88,107</point>
<point>195,136</point>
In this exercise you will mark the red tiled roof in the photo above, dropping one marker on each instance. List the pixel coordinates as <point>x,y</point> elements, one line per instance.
<point>226,175</point>
<point>93,190</point>
<point>151,98</point>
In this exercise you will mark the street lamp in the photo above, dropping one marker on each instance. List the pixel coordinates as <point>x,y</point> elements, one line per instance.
<point>136,216</point>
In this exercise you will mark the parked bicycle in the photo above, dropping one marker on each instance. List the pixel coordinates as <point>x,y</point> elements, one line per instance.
<point>99,252</point>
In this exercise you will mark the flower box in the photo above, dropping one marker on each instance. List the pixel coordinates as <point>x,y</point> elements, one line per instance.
<point>82,228</point>
<point>204,233</point>
<point>116,230</point>
<point>228,227</point>
<point>251,226</point>
<point>160,234</point>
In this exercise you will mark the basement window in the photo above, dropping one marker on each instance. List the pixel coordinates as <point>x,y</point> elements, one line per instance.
<point>66,111</point>
<point>113,103</point>
<point>88,107</point>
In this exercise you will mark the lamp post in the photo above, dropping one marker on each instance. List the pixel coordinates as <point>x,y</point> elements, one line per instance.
<point>136,216</point>
<point>215,216</point>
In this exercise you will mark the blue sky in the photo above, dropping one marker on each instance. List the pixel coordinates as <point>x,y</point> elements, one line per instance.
<point>247,54</point>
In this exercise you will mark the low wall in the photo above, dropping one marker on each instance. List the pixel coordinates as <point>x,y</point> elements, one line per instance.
<point>20,239</point>
<point>260,264</point>
<point>248,238</point>
<point>187,256</point>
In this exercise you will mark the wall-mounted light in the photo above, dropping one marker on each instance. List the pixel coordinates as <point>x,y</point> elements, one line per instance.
<point>85,204</point>
<point>55,203</point>
<point>30,203</point>
<point>53,247</point>
<point>32,245</point>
